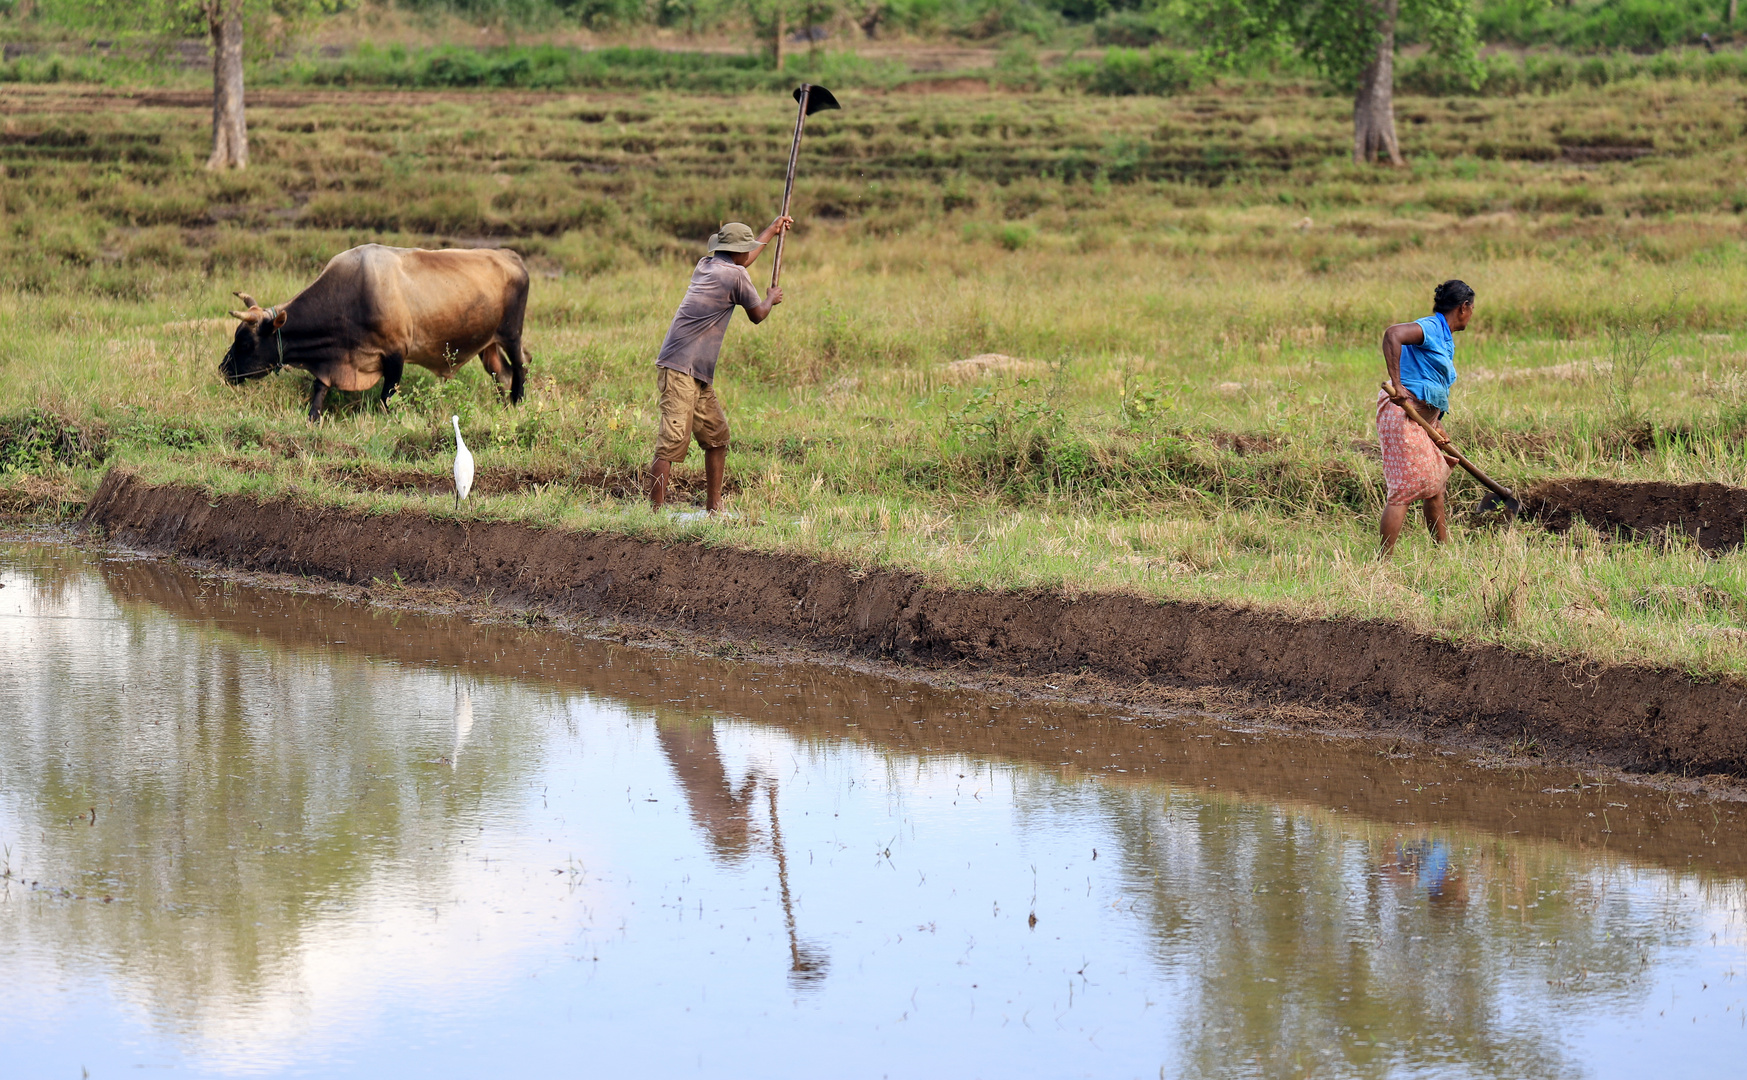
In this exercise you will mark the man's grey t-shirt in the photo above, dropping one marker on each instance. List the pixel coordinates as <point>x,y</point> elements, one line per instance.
<point>693,342</point>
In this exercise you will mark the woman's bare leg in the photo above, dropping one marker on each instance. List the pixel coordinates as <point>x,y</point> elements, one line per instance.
<point>1436,520</point>
<point>1390,528</point>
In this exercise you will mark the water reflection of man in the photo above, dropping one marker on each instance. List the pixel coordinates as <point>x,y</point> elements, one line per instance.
<point>717,807</point>
<point>725,814</point>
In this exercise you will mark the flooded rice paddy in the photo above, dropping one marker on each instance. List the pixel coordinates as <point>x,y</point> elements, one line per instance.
<point>255,832</point>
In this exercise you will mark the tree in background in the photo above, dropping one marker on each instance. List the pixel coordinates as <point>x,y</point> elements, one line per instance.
<point>222,23</point>
<point>774,20</point>
<point>770,23</point>
<point>230,132</point>
<point>1351,42</point>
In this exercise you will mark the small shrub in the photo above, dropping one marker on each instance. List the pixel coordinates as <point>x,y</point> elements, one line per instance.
<point>36,439</point>
<point>1128,29</point>
<point>1156,72</point>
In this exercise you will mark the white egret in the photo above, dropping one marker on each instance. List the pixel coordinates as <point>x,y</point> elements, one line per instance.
<point>463,465</point>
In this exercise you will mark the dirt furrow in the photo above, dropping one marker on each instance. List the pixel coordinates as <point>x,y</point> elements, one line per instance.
<point>1714,515</point>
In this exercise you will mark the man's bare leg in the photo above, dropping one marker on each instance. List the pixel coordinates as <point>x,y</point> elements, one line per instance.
<point>1436,520</point>
<point>1390,528</point>
<point>658,483</point>
<point>715,464</point>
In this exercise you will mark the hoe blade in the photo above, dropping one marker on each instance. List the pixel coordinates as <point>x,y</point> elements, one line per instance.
<point>1494,502</point>
<point>819,99</point>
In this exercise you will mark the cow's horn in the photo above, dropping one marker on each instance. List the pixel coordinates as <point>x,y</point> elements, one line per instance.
<point>243,315</point>
<point>248,301</point>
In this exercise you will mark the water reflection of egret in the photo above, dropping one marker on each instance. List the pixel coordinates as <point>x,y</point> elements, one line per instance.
<point>808,963</point>
<point>463,721</point>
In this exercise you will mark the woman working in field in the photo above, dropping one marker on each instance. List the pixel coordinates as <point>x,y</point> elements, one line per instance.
<point>1421,358</point>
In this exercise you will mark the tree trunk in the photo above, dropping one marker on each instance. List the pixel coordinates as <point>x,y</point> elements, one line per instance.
<point>230,136</point>
<point>777,41</point>
<point>1734,10</point>
<point>1374,107</point>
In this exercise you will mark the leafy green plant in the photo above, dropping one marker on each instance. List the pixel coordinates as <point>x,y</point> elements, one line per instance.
<point>1143,403</point>
<point>1637,335</point>
<point>993,414</point>
<point>35,439</point>
<point>1014,236</point>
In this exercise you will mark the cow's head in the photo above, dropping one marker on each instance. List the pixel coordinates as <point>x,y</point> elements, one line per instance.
<point>256,350</point>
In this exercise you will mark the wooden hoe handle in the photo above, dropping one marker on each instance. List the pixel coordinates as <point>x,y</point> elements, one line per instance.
<point>776,269</point>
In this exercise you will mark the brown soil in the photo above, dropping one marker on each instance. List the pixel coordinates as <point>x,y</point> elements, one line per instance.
<point>1714,515</point>
<point>683,486</point>
<point>1244,445</point>
<point>73,98</point>
<point>964,85</point>
<point>1374,675</point>
<point>1585,155</point>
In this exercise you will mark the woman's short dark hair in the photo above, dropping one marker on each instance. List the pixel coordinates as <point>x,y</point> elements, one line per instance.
<point>1451,295</point>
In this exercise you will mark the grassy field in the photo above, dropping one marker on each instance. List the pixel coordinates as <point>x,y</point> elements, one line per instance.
<point>1191,290</point>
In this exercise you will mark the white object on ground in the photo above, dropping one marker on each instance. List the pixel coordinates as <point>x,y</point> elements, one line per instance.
<point>463,465</point>
<point>985,364</point>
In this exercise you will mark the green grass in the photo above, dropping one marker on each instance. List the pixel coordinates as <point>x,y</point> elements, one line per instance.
<point>1193,288</point>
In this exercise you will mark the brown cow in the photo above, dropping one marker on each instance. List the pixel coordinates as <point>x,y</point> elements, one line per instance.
<point>375,309</point>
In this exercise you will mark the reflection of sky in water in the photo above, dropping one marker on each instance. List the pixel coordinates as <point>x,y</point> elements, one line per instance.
<point>330,863</point>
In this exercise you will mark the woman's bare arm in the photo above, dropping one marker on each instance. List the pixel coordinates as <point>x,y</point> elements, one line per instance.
<point>1407,333</point>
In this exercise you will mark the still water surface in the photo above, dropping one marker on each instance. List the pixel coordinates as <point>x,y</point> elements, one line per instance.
<point>256,832</point>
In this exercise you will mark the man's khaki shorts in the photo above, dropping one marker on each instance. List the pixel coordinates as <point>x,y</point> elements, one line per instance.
<point>688,408</point>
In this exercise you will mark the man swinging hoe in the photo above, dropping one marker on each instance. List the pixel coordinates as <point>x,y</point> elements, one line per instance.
<point>685,369</point>
<point>686,366</point>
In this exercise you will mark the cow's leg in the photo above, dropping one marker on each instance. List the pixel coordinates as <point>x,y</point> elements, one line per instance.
<point>512,351</point>
<point>509,339</point>
<point>318,396</point>
<point>392,369</point>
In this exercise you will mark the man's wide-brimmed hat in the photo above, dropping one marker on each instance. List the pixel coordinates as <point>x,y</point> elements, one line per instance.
<point>734,237</point>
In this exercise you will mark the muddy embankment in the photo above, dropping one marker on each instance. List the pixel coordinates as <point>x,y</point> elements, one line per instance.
<point>1376,676</point>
